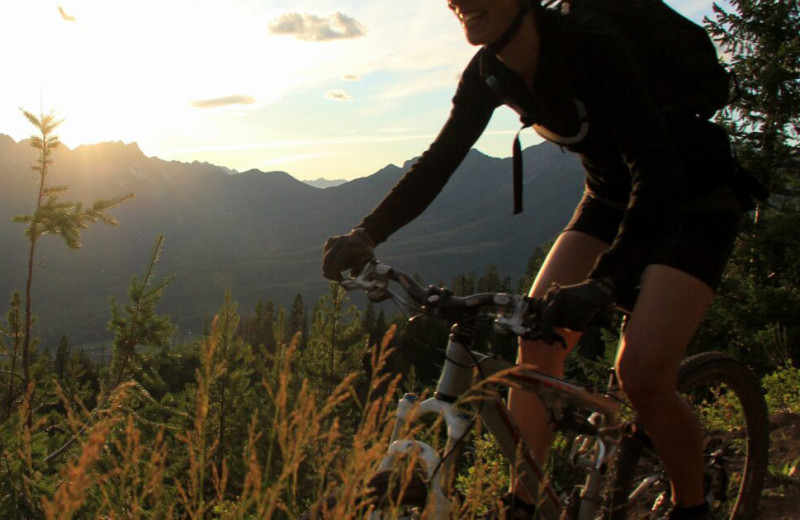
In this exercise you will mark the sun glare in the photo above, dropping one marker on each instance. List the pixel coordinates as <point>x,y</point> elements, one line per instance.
<point>133,72</point>
<point>195,74</point>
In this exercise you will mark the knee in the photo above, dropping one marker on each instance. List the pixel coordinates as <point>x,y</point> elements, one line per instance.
<point>645,384</point>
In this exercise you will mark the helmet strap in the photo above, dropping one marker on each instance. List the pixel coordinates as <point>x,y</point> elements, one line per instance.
<point>498,46</point>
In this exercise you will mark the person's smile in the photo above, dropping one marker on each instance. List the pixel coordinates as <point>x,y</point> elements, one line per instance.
<point>483,21</point>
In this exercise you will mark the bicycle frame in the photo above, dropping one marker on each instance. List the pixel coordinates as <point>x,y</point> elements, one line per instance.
<point>472,379</point>
<point>468,377</point>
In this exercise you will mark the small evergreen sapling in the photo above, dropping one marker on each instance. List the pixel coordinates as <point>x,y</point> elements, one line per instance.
<point>52,216</point>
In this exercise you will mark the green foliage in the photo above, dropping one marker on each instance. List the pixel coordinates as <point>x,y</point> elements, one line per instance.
<point>463,284</point>
<point>754,315</point>
<point>80,380</point>
<point>297,322</point>
<point>53,216</point>
<point>786,471</point>
<point>14,332</point>
<point>762,38</point>
<point>782,389</point>
<point>232,396</point>
<point>721,410</point>
<point>141,326</point>
<point>62,357</point>
<point>248,422</point>
<point>484,479</point>
<point>336,345</point>
<point>535,263</point>
<point>491,281</point>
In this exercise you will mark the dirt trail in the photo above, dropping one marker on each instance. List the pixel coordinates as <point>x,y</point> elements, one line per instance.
<point>781,497</point>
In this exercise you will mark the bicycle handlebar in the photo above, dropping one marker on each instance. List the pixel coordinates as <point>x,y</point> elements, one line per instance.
<point>513,314</point>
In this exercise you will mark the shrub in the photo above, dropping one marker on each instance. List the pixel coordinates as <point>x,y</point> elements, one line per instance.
<point>783,389</point>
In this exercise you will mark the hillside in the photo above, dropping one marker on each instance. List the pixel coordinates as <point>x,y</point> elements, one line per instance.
<point>259,233</point>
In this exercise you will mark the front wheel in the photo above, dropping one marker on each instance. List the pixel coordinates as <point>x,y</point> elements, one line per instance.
<point>728,401</point>
<point>391,494</point>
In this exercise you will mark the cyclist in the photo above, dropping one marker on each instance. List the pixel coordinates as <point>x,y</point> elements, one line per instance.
<point>652,233</point>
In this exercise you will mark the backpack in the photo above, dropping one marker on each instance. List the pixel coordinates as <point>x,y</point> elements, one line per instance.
<point>680,54</point>
<point>679,51</point>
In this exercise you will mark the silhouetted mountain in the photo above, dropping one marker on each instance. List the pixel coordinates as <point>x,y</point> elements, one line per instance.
<point>259,233</point>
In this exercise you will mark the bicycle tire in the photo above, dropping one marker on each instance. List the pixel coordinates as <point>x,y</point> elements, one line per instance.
<point>736,460</point>
<point>386,493</point>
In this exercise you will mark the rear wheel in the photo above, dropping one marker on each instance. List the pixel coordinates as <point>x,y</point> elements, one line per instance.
<point>728,401</point>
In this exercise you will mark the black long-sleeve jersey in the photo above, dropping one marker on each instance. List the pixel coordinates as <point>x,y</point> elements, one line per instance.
<point>591,87</point>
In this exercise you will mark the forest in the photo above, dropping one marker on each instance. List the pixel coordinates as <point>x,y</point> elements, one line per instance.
<point>274,408</point>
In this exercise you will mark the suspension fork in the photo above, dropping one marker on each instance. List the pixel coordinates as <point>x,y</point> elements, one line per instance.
<point>454,382</point>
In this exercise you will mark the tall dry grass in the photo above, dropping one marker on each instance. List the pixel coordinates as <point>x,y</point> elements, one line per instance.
<point>312,461</point>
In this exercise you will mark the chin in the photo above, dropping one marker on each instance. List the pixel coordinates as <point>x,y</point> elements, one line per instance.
<point>474,39</point>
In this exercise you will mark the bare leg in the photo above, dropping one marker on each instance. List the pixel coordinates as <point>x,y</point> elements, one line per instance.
<point>668,310</point>
<point>569,261</point>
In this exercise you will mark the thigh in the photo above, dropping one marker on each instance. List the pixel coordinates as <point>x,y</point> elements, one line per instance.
<point>588,234</point>
<point>668,310</point>
<point>569,261</point>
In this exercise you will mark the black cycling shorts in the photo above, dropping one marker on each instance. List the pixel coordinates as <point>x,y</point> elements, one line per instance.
<point>699,244</point>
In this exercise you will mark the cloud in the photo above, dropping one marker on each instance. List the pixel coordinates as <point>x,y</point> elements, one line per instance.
<point>224,101</point>
<point>351,77</point>
<point>338,95</point>
<point>310,27</point>
<point>64,15</point>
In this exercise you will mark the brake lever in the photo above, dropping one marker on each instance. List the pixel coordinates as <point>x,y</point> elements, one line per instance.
<point>372,279</point>
<point>533,333</point>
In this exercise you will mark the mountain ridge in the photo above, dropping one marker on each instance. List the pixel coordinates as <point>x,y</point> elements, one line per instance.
<point>258,233</point>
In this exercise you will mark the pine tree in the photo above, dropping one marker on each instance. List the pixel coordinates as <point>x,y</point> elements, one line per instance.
<point>279,327</point>
<point>490,280</point>
<point>298,320</point>
<point>763,38</point>
<point>53,216</point>
<point>141,325</point>
<point>368,321</point>
<point>260,328</point>
<point>380,328</point>
<point>760,293</point>
<point>63,354</point>
<point>337,340</point>
<point>78,377</point>
<point>535,262</point>
<point>14,331</point>
<point>231,398</point>
<point>463,284</point>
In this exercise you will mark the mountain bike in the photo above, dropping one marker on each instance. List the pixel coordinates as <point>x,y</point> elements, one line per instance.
<point>623,475</point>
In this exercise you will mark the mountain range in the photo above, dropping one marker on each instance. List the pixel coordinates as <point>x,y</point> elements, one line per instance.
<point>257,233</point>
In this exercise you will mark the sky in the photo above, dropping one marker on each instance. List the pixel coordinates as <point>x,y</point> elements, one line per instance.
<point>317,88</point>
